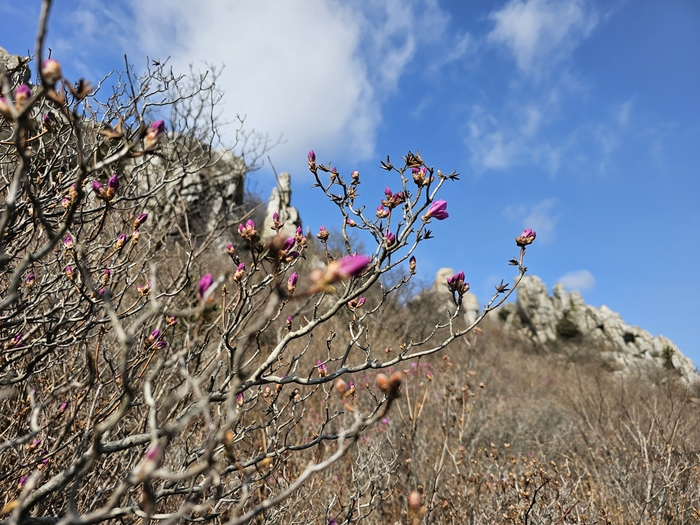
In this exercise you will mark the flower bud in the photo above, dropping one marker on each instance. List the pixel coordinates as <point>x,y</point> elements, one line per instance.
<point>525,238</point>
<point>382,212</point>
<point>412,264</point>
<point>292,282</point>
<point>51,71</point>
<point>230,249</point>
<point>68,242</point>
<point>240,272</point>
<point>30,280</point>
<point>288,323</point>
<point>390,238</point>
<point>311,158</point>
<point>322,368</point>
<point>113,182</point>
<point>322,233</point>
<point>154,134</point>
<point>204,284</point>
<point>69,273</point>
<point>22,93</point>
<point>138,221</point>
<point>170,320</point>
<point>144,290</point>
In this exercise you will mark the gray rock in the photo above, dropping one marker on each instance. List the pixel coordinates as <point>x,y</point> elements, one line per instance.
<point>280,202</point>
<point>626,349</point>
<point>15,65</point>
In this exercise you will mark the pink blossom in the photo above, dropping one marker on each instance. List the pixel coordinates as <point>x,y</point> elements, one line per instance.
<point>437,210</point>
<point>204,284</point>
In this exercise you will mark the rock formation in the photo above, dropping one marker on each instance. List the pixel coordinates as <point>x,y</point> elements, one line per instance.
<point>280,203</point>
<point>15,65</point>
<point>565,317</point>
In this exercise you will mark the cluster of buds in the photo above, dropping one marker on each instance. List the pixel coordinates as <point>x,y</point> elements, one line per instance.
<point>240,272</point>
<point>389,238</point>
<point>248,230</point>
<point>322,234</point>
<point>421,177</point>
<point>144,290</point>
<point>392,200</point>
<point>108,193</point>
<point>300,238</point>
<point>382,212</point>
<point>153,340</point>
<point>70,198</point>
<point>525,238</point>
<point>292,282</point>
<point>357,303</point>
<point>437,210</point>
<point>347,393</point>
<point>51,72</point>
<point>390,385</point>
<point>322,368</point>
<point>153,134</point>
<point>276,224</point>
<point>340,270</point>
<point>204,284</point>
<point>457,285</point>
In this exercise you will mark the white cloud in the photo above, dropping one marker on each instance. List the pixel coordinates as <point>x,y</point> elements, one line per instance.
<point>541,217</point>
<point>580,280</point>
<point>540,33</point>
<point>314,71</point>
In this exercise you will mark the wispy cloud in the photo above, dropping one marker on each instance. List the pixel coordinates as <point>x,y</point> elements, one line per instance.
<point>580,280</point>
<point>540,33</point>
<point>542,217</point>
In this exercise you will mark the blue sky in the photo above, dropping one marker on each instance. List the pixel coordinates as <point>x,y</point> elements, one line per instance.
<point>578,118</point>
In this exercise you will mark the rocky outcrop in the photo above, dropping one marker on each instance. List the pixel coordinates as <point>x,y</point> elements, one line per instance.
<point>15,65</point>
<point>564,317</point>
<point>280,203</point>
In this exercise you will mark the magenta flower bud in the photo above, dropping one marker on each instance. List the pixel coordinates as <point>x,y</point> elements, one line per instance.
<point>526,237</point>
<point>350,222</point>
<point>288,244</point>
<point>69,273</point>
<point>322,368</point>
<point>22,482</point>
<point>122,237</point>
<point>241,229</point>
<point>334,170</point>
<point>152,453</point>
<point>230,249</point>
<point>113,182</point>
<point>161,344</point>
<point>289,320</point>
<point>357,303</point>
<point>68,242</point>
<point>292,282</point>
<point>51,71</point>
<point>106,272</point>
<point>388,192</point>
<point>249,224</point>
<point>412,264</point>
<point>311,157</point>
<point>204,284</point>
<point>30,280</point>
<point>456,284</point>
<point>22,93</point>
<point>97,187</point>
<point>390,238</point>
<point>275,217</point>
<point>437,210</point>
<point>240,272</point>
<point>171,320</point>
<point>15,341</point>
<point>154,134</point>
<point>63,406</point>
<point>240,400</point>
<point>353,265</point>
<point>155,334</point>
<point>138,221</point>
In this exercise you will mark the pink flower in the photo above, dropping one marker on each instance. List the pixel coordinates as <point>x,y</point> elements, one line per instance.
<point>382,212</point>
<point>437,210</point>
<point>138,221</point>
<point>341,270</point>
<point>68,242</point>
<point>288,244</point>
<point>352,266</point>
<point>456,284</point>
<point>154,133</point>
<point>311,157</point>
<point>22,93</point>
<point>204,284</point>
<point>322,233</point>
